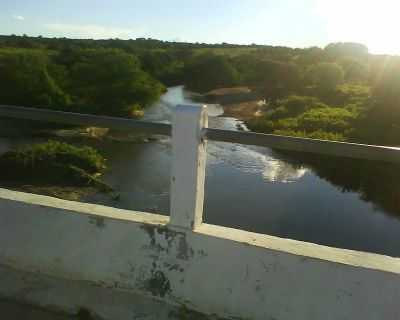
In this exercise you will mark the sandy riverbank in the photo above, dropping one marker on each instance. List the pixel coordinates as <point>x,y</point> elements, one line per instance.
<point>238,102</point>
<point>244,110</point>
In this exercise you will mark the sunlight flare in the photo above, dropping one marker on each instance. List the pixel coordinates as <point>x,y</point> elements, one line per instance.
<point>374,23</point>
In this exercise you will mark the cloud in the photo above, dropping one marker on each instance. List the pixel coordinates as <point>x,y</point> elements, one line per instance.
<point>18,17</point>
<point>89,31</point>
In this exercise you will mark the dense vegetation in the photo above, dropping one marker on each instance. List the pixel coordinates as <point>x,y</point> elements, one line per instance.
<point>340,92</point>
<point>52,163</point>
<point>346,95</point>
<point>98,81</point>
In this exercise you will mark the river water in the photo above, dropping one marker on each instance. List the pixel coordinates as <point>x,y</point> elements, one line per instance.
<point>249,188</point>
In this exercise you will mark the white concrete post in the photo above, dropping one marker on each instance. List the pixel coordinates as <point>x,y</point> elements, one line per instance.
<point>188,166</point>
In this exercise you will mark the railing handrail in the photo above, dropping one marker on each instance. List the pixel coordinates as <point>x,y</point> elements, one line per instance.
<point>189,134</point>
<point>71,118</point>
<point>325,147</point>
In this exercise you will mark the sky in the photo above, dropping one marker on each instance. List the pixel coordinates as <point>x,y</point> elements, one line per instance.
<point>294,23</point>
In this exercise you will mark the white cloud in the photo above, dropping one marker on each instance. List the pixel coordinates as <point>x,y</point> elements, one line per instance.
<point>91,31</point>
<point>18,17</point>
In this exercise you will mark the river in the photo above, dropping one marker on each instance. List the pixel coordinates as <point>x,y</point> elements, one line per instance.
<point>249,188</point>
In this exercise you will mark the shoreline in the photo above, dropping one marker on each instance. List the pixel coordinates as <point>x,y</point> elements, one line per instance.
<point>60,192</point>
<point>237,102</point>
<point>244,111</point>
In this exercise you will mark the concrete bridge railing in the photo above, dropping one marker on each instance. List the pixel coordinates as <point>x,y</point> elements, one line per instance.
<point>179,259</point>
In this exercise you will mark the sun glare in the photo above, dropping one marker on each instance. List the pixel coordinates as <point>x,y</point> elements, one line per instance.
<point>373,23</point>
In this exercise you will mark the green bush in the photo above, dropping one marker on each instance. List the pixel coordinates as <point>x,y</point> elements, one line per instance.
<point>260,125</point>
<point>286,124</point>
<point>352,94</point>
<point>326,76</point>
<point>278,113</point>
<point>52,162</point>
<point>295,105</point>
<point>326,119</point>
<point>319,134</point>
<point>323,122</point>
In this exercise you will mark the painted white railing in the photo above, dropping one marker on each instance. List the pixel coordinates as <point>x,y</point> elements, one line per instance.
<point>190,133</point>
<point>178,259</point>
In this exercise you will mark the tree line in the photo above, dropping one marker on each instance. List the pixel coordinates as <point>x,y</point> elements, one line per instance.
<point>339,92</point>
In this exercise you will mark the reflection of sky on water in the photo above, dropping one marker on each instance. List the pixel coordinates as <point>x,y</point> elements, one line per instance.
<point>254,161</point>
<point>279,171</point>
<point>250,159</point>
<point>245,158</point>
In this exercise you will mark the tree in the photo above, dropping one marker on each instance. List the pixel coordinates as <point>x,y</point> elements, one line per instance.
<point>309,56</point>
<point>26,80</point>
<point>354,70</point>
<point>272,79</point>
<point>346,49</point>
<point>163,66</point>
<point>326,76</point>
<point>380,122</point>
<point>209,71</point>
<point>111,82</point>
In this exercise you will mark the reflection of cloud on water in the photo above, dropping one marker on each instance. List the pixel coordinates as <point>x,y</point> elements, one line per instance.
<point>245,158</point>
<point>279,171</point>
<point>254,161</point>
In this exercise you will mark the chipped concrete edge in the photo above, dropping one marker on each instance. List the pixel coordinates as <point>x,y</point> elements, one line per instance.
<point>84,208</point>
<point>323,253</point>
<point>319,252</point>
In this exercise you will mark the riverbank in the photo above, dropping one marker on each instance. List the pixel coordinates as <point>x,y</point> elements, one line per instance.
<point>244,110</point>
<point>238,102</point>
<point>60,192</point>
<point>54,168</point>
<point>24,133</point>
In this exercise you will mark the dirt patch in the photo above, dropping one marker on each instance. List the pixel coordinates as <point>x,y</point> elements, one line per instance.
<point>244,110</point>
<point>229,91</point>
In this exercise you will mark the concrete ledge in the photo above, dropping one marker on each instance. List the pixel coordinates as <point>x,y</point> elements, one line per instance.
<point>84,208</point>
<point>215,270</point>
<point>305,249</point>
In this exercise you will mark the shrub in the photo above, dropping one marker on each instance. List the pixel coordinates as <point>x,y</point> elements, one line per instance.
<point>299,104</point>
<point>260,125</point>
<point>319,134</point>
<point>352,93</point>
<point>286,124</point>
<point>52,162</point>
<point>326,119</point>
